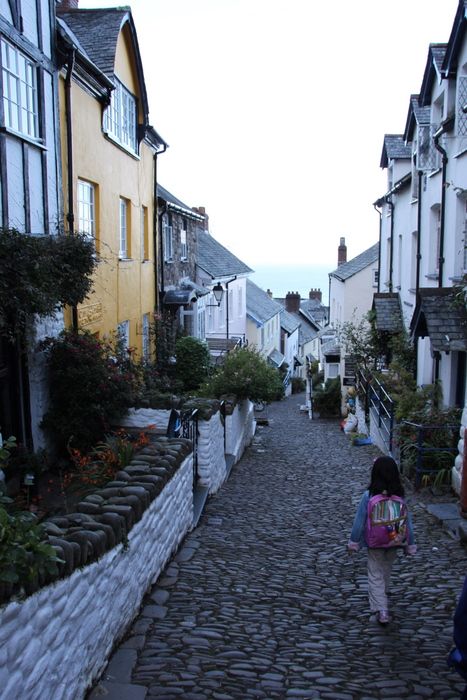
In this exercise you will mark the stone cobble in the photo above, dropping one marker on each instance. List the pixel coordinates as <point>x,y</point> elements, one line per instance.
<point>263,601</point>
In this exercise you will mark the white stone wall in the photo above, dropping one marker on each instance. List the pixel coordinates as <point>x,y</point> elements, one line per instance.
<point>56,642</point>
<point>142,417</point>
<point>457,470</point>
<point>211,457</point>
<point>239,429</point>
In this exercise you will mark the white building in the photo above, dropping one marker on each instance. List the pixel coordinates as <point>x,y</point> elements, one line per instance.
<point>264,324</point>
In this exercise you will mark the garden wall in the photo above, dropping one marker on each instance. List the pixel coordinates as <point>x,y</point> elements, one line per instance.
<point>212,468</point>
<point>461,457</point>
<point>240,428</point>
<point>57,641</point>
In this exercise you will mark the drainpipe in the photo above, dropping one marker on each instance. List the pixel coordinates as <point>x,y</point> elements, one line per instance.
<point>69,148</point>
<point>391,244</point>
<point>444,156</point>
<point>155,215</point>
<point>380,214</point>
<point>227,304</point>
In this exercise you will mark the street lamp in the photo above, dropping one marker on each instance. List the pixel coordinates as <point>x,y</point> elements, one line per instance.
<point>218,291</point>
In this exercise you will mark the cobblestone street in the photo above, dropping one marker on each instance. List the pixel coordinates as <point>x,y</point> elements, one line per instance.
<point>263,601</point>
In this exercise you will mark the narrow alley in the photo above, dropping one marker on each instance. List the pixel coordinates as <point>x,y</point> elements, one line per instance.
<point>263,601</point>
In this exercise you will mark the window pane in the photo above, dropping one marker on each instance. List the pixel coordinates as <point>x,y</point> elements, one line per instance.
<point>19,91</point>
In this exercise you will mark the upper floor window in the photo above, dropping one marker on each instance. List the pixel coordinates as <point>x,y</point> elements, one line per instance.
<point>123,333</point>
<point>120,117</point>
<point>168,238</point>
<point>19,80</point>
<point>86,209</point>
<point>146,337</point>
<point>124,245</point>
<point>144,234</point>
<point>183,242</point>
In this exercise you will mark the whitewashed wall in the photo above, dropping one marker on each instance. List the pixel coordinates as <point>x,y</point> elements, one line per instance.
<point>55,643</point>
<point>239,429</point>
<point>211,457</point>
<point>143,417</point>
<point>462,447</point>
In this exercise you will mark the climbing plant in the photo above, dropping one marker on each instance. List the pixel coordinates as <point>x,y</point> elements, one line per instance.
<point>40,274</point>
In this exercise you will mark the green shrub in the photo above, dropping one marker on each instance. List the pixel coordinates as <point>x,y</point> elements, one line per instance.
<point>90,386</point>
<point>298,385</point>
<point>193,362</point>
<point>246,375</point>
<point>327,401</point>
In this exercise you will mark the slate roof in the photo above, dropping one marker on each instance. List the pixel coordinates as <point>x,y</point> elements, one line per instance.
<point>259,305</point>
<point>97,31</point>
<point>177,203</point>
<point>454,46</point>
<point>314,310</point>
<point>387,307</point>
<point>434,62</point>
<point>289,322</point>
<point>350,268</point>
<point>216,260</point>
<point>276,357</point>
<point>394,147</point>
<point>416,116</point>
<point>442,318</point>
<point>332,347</point>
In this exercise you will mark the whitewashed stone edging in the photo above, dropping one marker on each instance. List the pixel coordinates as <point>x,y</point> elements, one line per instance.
<point>459,461</point>
<point>240,428</point>
<point>143,417</point>
<point>211,457</point>
<point>56,642</point>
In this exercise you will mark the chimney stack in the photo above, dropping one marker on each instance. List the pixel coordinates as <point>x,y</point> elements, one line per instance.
<point>292,302</point>
<point>65,5</point>
<point>202,212</point>
<point>342,253</point>
<point>315,294</point>
<point>269,293</point>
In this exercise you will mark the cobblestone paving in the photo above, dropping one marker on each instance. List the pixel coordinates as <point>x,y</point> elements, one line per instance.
<point>263,601</point>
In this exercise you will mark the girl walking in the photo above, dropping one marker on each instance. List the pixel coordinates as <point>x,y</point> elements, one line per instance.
<point>382,524</point>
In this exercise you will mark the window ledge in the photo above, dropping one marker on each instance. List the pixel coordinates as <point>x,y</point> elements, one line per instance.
<point>460,153</point>
<point>121,259</point>
<point>121,146</point>
<point>38,143</point>
<point>432,276</point>
<point>434,172</point>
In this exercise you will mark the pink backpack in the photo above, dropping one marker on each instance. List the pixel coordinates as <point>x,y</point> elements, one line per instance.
<point>386,523</point>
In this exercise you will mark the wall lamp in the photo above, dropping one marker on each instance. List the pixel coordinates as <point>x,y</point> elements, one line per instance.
<point>218,291</point>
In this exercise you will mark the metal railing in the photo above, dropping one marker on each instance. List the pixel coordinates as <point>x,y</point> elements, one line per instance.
<point>189,430</point>
<point>431,449</point>
<point>377,400</point>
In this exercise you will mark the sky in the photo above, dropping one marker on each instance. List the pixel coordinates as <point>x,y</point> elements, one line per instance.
<point>275,113</point>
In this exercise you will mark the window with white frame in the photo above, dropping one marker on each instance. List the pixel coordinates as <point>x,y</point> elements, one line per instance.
<point>123,251</point>
<point>19,85</point>
<point>333,370</point>
<point>168,237</point>
<point>123,332</point>
<point>120,117</point>
<point>183,241</point>
<point>144,233</point>
<point>146,337</point>
<point>435,237</point>
<point>461,116</point>
<point>86,209</point>
<point>375,275</point>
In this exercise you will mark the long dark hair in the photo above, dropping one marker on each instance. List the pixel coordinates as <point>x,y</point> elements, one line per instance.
<point>385,477</point>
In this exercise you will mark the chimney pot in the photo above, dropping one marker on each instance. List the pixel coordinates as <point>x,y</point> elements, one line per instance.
<point>292,302</point>
<point>315,294</point>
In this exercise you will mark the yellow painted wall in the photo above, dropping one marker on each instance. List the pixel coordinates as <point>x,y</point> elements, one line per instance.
<point>123,289</point>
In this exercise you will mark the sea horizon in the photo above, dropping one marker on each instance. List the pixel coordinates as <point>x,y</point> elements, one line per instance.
<point>281,279</point>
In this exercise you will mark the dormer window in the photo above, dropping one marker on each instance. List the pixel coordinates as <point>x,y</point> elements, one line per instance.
<point>120,117</point>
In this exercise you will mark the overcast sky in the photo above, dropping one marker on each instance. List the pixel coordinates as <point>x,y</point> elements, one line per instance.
<point>275,112</point>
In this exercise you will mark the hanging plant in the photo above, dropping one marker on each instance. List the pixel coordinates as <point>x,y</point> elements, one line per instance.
<point>41,274</point>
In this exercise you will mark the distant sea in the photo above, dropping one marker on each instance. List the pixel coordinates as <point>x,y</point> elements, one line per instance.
<point>281,279</point>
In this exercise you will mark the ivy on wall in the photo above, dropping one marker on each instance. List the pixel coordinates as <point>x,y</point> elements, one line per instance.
<point>41,274</point>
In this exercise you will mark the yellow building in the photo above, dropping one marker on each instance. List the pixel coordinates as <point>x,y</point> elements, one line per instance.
<point>109,153</point>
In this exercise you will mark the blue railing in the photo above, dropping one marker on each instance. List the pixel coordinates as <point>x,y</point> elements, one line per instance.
<point>185,424</point>
<point>377,400</point>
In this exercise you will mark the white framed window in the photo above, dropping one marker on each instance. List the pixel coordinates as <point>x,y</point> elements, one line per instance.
<point>86,208</point>
<point>146,337</point>
<point>375,276</point>
<point>120,117</point>
<point>19,80</point>
<point>333,370</point>
<point>183,243</point>
<point>123,251</point>
<point>144,233</point>
<point>168,238</point>
<point>123,331</point>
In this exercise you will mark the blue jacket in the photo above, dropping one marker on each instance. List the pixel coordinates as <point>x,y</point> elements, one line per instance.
<point>357,536</point>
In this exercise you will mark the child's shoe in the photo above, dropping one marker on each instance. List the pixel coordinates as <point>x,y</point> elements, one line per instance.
<point>383,617</point>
